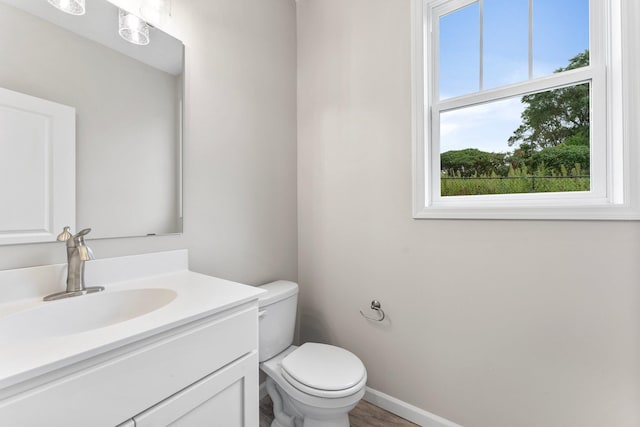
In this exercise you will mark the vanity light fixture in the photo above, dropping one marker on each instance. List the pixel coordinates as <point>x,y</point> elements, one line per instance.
<point>157,12</point>
<point>73,7</point>
<point>132,28</point>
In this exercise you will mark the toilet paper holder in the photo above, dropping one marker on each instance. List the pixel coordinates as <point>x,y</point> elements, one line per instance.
<point>377,307</point>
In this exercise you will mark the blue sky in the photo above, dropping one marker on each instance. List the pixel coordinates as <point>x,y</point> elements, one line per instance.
<point>560,31</point>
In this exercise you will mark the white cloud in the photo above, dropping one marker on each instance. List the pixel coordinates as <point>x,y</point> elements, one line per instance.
<point>486,127</point>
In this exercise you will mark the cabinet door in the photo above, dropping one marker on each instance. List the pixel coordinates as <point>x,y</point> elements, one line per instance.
<point>226,398</point>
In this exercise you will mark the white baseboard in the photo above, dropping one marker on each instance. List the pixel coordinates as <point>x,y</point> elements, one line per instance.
<point>395,406</point>
<point>408,412</point>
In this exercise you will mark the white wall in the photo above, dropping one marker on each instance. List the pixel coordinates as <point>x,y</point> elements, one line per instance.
<point>240,174</point>
<point>239,182</point>
<point>491,323</point>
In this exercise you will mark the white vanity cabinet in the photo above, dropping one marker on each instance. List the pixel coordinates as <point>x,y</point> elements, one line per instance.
<point>191,363</point>
<point>205,373</point>
<point>207,370</point>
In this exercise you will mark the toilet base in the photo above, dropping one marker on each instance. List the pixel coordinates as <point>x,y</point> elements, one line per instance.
<point>290,412</point>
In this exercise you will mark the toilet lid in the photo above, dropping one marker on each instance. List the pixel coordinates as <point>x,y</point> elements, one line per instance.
<point>324,367</point>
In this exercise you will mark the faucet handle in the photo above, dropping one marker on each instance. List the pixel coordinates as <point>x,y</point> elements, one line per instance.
<point>82,233</point>
<point>65,235</point>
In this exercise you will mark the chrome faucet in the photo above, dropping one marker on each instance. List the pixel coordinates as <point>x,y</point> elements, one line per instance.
<point>77,253</point>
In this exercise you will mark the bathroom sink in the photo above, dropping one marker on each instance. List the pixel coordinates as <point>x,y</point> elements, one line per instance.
<point>81,314</point>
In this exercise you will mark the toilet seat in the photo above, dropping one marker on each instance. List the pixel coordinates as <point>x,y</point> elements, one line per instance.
<point>324,370</point>
<point>273,369</point>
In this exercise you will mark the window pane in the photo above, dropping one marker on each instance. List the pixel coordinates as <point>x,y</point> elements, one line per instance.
<point>505,42</point>
<point>460,52</point>
<point>530,144</point>
<point>560,32</point>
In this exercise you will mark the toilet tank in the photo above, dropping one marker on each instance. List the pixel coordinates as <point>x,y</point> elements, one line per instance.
<point>277,317</point>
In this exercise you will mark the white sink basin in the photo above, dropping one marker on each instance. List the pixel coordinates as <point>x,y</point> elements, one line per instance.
<point>80,314</point>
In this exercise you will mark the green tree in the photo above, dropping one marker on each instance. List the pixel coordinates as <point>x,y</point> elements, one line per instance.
<point>564,155</point>
<point>471,161</point>
<point>554,117</point>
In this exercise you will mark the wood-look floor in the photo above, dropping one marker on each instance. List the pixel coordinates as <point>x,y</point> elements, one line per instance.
<point>363,415</point>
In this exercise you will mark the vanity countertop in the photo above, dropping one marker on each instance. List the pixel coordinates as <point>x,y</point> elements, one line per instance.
<point>196,296</point>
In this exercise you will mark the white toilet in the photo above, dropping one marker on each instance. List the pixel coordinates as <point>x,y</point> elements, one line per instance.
<point>314,385</point>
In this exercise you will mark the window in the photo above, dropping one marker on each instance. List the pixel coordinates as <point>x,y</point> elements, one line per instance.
<point>518,110</point>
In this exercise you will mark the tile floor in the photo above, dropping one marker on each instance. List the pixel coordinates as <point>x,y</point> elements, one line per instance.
<point>364,415</point>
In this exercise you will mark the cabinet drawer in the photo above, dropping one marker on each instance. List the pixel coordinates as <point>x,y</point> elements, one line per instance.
<point>228,397</point>
<point>126,383</point>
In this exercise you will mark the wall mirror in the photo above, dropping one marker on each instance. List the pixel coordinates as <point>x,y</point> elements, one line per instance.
<point>128,110</point>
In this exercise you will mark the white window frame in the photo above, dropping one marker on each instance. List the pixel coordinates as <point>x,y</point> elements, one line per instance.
<point>612,178</point>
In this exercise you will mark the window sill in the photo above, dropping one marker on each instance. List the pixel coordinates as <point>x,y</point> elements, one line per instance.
<point>606,212</point>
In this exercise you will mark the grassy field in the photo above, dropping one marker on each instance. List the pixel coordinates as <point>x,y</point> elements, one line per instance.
<point>458,186</point>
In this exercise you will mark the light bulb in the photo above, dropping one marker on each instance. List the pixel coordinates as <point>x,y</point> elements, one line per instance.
<point>133,29</point>
<point>73,7</point>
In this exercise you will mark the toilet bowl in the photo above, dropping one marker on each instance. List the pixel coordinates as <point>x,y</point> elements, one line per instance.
<point>314,385</point>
